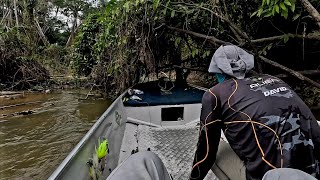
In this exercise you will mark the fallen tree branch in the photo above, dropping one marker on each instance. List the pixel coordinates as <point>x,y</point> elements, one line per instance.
<point>290,71</point>
<point>40,32</point>
<point>306,72</point>
<point>170,66</point>
<point>280,37</point>
<point>89,91</point>
<point>246,37</point>
<point>312,11</point>
<point>211,39</point>
<point>192,69</point>
<point>268,61</point>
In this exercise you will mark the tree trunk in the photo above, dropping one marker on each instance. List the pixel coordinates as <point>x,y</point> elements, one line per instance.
<point>10,18</point>
<point>41,34</point>
<point>16,12</point>
<point>5,17</point>
<point>57,11</point>
<point>73,29</point>
<point>312,11</point>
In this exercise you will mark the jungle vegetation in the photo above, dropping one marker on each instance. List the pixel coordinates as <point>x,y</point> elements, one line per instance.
<point>118,43</point>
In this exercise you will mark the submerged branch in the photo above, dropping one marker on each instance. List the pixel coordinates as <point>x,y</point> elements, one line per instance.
<point>22,104</point>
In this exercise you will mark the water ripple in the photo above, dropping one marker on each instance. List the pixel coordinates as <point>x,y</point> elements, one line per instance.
<point>32,146</point>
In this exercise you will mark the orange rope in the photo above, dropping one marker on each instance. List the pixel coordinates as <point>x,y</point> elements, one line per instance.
<point>254,132</point>
<point>207,139</point>
<point>277,137</point>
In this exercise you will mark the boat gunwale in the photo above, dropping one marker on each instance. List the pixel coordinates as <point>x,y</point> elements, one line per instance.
<point>78,147</point>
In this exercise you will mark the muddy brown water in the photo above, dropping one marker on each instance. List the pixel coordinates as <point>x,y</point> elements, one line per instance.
<point>32,146</point>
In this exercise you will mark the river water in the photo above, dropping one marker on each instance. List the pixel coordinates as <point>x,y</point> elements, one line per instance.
<point>32,146</point>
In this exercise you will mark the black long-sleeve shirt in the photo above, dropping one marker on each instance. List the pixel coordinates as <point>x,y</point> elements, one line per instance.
<point>266,108</point>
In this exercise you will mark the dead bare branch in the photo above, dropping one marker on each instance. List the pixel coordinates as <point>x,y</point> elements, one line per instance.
<point>280,37</point>
<point>16,12</point>
<point>312,11</point>
<point>305,72</point>
<point>290,71</point>
<point>41,34</point>
<point>211,39</point>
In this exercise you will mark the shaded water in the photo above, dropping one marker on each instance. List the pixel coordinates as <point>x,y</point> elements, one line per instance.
<point>32,146</point>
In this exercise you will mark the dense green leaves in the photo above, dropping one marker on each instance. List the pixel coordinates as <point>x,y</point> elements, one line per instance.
<point>129,37</point>
<point>270,8</point>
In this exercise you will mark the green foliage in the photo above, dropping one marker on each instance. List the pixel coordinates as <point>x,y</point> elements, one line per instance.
<point>85,45</point>
<point>123,40</point>
<point>18,67</point>
<point>55,56</point>
<point>128,36</point>
<point>14,43</point>
<point>271,8</point>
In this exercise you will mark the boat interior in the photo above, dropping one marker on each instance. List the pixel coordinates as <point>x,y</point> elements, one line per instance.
<point>162,120</point>
<point>166,125</point>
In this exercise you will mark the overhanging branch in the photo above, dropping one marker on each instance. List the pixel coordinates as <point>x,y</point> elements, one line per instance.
<point>312,11</point>
<point>290,71</point>
<point>266,60</point>
<point>280,37</point>
<point>305,72</point>
<point>211,39</point>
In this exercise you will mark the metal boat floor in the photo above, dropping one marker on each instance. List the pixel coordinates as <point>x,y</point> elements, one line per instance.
<point>175,146</point>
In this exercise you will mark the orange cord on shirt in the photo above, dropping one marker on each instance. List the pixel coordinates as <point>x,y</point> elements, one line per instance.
<point>206,124</point>
<point>245,121</point>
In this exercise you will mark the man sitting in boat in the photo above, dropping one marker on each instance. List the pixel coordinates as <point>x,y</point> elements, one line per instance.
<point>265,122</point>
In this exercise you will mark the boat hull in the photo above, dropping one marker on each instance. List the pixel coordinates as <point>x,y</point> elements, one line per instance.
<point>110,125</point>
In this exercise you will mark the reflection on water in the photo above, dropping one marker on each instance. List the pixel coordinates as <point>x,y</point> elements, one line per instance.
<point>32,146</point>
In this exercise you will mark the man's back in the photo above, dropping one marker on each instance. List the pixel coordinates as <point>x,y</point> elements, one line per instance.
<point>267,125</point>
